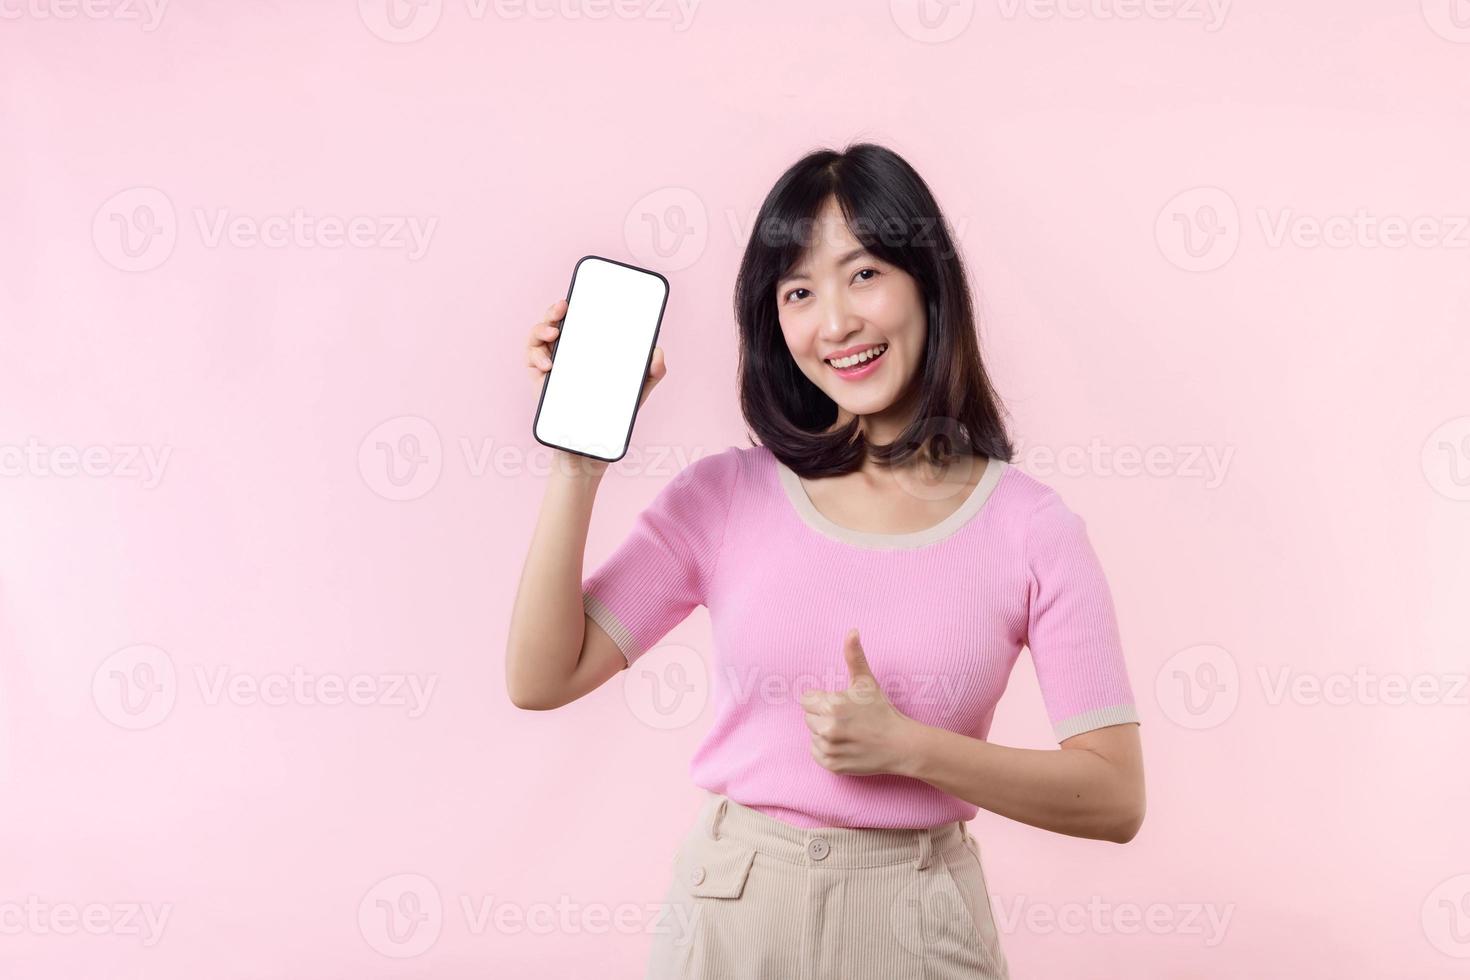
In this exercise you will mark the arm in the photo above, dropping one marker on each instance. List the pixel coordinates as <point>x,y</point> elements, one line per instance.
<point>1090,787</point>
<point>648,585</point>
<point>555,654</point>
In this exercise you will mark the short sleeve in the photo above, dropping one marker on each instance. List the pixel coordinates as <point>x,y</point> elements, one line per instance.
<point>663,568</point>
<point>1072,628</point>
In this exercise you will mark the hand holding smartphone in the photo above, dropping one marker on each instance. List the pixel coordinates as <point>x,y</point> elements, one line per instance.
<point>603,361</point>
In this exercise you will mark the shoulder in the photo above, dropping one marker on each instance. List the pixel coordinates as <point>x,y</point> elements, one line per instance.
<point>714,470</point>
<point>709,483</point>
<point>1048,526</point>
<point>1031,498</point>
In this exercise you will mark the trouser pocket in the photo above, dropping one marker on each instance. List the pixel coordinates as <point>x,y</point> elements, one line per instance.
<point>705,921</point>
<point>968,873</point>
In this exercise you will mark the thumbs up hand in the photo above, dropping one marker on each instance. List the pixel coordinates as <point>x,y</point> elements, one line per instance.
<point>857,731</point>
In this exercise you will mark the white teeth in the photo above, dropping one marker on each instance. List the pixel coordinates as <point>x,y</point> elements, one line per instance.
<point>859,358</point>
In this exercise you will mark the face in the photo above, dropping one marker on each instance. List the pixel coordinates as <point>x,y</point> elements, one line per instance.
<point>842,301</point>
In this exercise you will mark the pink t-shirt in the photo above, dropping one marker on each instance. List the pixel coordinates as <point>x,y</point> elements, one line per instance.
<point>942,613</point>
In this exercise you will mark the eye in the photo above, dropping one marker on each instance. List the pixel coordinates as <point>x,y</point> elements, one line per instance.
<point>872,270</point>
<point>798,289</point>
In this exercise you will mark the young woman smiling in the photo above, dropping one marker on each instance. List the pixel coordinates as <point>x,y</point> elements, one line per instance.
<point>877,496</point>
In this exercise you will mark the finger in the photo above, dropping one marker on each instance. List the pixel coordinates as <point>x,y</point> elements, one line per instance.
<point>819,754</point>
<point>857,660</point>
<point>552,317</point>
<point>816,701</point>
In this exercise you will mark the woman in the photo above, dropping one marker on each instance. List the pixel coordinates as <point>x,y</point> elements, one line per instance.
<point>872,568</point>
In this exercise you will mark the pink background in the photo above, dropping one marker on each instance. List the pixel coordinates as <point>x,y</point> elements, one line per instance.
<point>344,479</point>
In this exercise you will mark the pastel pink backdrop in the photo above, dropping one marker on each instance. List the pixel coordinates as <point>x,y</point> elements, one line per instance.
<point>343,478</point>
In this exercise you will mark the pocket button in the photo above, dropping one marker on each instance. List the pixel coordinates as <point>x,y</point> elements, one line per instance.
<point>818,848</point>
<point>697,876</point>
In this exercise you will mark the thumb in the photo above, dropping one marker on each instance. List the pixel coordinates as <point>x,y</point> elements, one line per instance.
<point>857,660</point>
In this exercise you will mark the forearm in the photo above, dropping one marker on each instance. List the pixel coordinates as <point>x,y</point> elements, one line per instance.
<point>1071,791</point>
<point>547,620</point>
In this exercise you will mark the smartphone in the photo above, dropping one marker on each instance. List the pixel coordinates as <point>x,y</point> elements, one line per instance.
<point>601,358</point>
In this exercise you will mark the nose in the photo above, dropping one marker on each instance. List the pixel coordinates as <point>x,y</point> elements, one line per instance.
<point>838,322</point>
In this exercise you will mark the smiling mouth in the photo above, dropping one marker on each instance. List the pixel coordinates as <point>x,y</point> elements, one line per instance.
<point>858,360</point>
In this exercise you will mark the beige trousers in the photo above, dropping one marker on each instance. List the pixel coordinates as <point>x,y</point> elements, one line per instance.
<point>754,898</point>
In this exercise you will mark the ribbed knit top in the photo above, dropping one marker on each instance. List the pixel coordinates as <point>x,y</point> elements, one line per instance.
<point>942,613</point>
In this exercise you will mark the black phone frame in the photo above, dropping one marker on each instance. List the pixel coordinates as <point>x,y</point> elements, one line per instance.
<point>637,404</point>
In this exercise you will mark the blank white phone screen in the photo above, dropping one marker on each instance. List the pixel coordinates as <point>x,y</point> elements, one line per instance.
<point>601,358</point>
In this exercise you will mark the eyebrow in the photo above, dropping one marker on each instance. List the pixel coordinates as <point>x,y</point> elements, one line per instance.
<point>800,273</point>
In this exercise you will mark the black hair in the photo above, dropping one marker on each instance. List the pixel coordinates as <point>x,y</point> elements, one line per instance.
<point>890,210</point>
